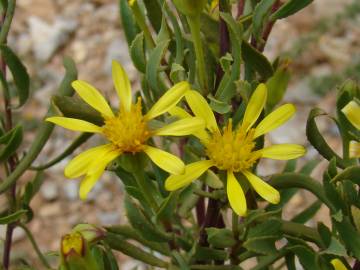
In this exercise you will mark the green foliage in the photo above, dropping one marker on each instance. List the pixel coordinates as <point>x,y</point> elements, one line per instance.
<point>222,58</point>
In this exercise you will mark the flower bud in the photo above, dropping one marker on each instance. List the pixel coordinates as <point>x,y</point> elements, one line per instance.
<point>190,7</point>
<point>89,232</point>
<point>73,244</point>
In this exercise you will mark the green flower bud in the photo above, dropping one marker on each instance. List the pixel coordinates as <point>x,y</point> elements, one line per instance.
<point>190,7</point>
<point>89,232</point>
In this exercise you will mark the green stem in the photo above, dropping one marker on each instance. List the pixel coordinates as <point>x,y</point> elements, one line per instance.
<point>140,20</point>
<point>34,244</point>
<point>194,23</point>
<point>5,28</point>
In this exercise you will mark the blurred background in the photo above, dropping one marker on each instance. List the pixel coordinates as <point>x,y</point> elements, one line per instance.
<point>322,41</point>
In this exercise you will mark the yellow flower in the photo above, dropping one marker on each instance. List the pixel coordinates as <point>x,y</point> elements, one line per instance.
<point>338,265</point>
<point>352,113</point>
<point>233,150</point>
<point>214,4</point>
<point>127,131</point>
<point>131,2</point>
<point>72,243</point>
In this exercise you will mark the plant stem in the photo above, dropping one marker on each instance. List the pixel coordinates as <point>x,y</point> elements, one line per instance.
<point>5,27</point>
<point>194,23</point>
<point>34,244</point>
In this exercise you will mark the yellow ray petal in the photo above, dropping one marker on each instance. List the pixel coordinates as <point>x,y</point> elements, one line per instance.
<point>166,161</point>
<point>275,119</point>
<point>80,164</point>
<point>255,106</point>
<point>74,124</point>
<point>122,85</point>
<point>262,188</point>
<point>338,265</point>
<point>352,112</point>
<point>283,151</point>
<point>181,113</point>
<point>201,108</point>
<point>93,97</point>
<point>181,127</point>
<point>192,172</point>
<point>96,169</point>
<point>354,149</point>
<point>168,100</point>
<point>236,195</point>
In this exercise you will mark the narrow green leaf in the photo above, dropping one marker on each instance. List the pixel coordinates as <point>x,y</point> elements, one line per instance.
<point>19,73</point>
<point>235,31</point>
<point>349,236</point>
<point>74,107</point>
<point>118,243</point>
<point>168,206</point>
<point>260,14</point>
<point>209,254</point>
<point>137,52</point>
<point>256,61</point>
<point>12,217</point>
<point>127,21</point>
<point>154,13</point>
<point>142,224</point>
<point>12,141</point>
<point>317,140</point>
<point>289,8</point>
<point>277,85</point>
<point>153,67</point>
<point>308,213</point>
<point>220,238</point>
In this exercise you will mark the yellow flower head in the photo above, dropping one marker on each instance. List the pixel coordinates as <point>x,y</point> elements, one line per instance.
<point>352,113</point>
<point>127,130</point>
<point>338,265</point>
<point>233,149</point>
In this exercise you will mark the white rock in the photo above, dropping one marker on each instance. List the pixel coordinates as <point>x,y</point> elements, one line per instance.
<point>47,38</point>
<point>108,218</point>
<point>49,190</point>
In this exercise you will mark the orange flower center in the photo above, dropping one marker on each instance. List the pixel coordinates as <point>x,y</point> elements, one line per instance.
<point>128,131</point>
<point>233,150</point>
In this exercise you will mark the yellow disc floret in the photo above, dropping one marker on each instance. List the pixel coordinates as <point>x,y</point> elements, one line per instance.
<point>72,242</point>
<point>233,150</point>
<point>128,131</point>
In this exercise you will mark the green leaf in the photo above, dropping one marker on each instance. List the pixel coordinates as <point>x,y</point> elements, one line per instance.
<point>164,33</point>
<point>256,61</point>
<point>307,256</point>
<point>209,254</point>
<point>220,238</point>
<point>335,248</point>
<point>32,188</point>
<point>289,8</point>
<point>168,206</point>
<point>317,140</point>
<point>19,73</point>
<point>225,93</point>
<point>130,233</point>
<point>12,217</point>
<point>127,21</point>
<point>177,73</point>
<point>11,141</point>
<point>351,173</point>
<point>138,220</point>
<point>137,52</point>
<point>349,236</point>
<point>308,213</point>
<point>154,13</point>
<point>118,243</point>
<point>355,213</point>
<point>213,180</point>
<point>219,106</point>
<point>153,67</point>
<point>260,14</point>
<point>277,85</point>
<point>324,233</point>
<point>74,107</point>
